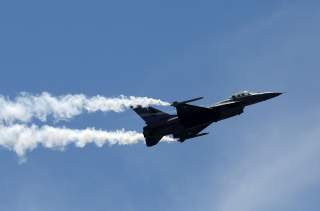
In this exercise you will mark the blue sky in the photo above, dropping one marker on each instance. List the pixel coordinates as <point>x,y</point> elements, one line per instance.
<point>266,159</point>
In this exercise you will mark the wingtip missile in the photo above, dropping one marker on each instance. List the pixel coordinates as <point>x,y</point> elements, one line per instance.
<point>176,103</point>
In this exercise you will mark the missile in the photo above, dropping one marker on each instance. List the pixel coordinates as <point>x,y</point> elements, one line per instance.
<point>175,104</point>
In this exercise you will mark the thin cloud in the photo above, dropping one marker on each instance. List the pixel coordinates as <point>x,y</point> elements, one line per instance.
<point>287,166</point>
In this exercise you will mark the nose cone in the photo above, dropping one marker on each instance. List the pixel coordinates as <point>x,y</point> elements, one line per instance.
<point>260,97</point>
<point>269,95</point>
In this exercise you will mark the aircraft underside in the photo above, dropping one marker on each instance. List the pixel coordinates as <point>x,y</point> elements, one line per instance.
<point>190,120</point>
<point>187,128</point>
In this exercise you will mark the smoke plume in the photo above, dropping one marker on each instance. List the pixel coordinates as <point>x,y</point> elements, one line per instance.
<point>18,132</point>
<point>25,107</point>
<point>22,139</point>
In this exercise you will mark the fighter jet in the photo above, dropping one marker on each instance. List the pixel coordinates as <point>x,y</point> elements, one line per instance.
<point>190,120</point>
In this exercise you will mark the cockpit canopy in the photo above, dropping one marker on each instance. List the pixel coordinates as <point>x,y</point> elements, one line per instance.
<point>241,94</point>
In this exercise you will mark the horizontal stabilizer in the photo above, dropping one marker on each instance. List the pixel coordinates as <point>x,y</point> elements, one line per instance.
<point>151,115</point>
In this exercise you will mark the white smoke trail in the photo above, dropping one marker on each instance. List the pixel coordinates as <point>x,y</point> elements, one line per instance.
<point>25,106</point>
<point>22,139</point>
<point>15,114</point>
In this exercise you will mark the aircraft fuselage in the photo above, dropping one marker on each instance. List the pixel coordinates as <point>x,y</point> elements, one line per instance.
<point>190,120</point>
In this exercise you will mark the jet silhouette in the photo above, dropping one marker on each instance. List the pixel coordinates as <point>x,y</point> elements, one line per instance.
<point>190,120</point>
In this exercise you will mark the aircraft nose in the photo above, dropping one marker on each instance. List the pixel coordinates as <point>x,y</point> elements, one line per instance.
<point>268,95</point>
<point>262,97</point>
<point>274,94</point>
<point>259,97</point>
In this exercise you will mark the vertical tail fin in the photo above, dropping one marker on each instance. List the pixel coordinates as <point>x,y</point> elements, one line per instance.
<point>151,141</point>
<point>151,137</point>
